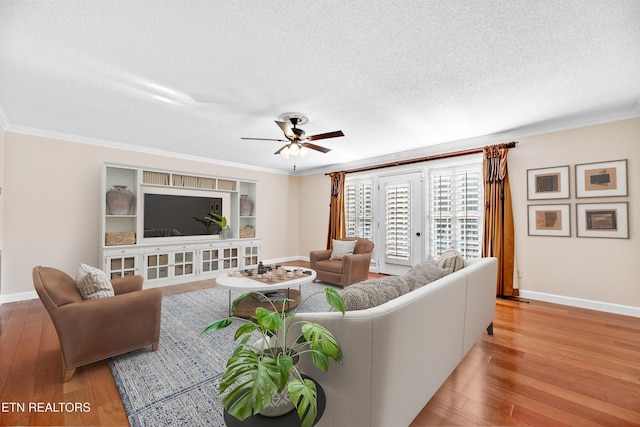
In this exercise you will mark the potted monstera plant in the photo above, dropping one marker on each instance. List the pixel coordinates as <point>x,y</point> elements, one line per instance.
<point>214,218</point>
<point>256,373</point>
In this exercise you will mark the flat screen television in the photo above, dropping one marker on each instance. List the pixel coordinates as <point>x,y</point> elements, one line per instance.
<point>168,215</point>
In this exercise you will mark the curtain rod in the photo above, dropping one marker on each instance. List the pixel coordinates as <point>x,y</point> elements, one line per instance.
<point>511,144</point>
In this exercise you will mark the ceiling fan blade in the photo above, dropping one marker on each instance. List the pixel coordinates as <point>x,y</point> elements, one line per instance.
<point>286,128</point>
<point>325,135</point>
<point>265,139</point>
<point>281,148</point>
<point>316,147</point>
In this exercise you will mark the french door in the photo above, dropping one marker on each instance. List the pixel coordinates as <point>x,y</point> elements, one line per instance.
<point>400,237</point>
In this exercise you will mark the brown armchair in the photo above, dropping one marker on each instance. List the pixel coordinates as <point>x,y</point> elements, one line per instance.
<point>94,330</point>
<point>346,271</point>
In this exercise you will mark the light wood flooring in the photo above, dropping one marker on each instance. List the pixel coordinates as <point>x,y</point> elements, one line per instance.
<point>545,365</point>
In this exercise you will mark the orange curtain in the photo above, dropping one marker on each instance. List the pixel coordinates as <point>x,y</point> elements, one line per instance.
<point>337,227</point>
<point>498,217</point>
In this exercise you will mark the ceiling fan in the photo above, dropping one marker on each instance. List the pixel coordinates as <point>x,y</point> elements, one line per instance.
<point>297,142</point>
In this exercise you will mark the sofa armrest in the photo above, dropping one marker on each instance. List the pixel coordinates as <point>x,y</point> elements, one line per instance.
<point>127,284</point>
<point>315,256</point>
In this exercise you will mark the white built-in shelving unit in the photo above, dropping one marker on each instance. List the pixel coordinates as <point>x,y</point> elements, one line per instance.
<point>170,260</point>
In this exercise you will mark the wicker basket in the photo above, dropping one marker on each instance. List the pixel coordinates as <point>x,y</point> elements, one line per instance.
<point>120,238</point>
<point>247,232</point>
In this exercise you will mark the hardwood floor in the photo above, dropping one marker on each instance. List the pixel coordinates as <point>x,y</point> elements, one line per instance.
<point>545,365</point>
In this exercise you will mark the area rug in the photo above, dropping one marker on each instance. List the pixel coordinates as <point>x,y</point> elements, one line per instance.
<point>178,384</point>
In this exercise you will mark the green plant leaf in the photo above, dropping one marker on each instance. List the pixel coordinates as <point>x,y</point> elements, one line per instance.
<point>246,328</point>
<point>218,324</point>
<point>284,365</point>
<point>217,218</point>
<point>269,320</point>
<point>334,299</point>
<point>321,339</point>
<point>320,360</point>
<point>237,301</point>
<point>305,398</point>
<point>251,382</point>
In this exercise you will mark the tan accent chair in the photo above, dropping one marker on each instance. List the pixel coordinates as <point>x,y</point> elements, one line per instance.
<point>94,330</point>
<point>346,271</point>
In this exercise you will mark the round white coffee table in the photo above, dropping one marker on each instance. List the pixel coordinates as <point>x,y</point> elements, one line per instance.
<point>247,307</point>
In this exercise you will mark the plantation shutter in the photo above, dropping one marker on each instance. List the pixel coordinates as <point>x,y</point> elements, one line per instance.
<point>441,213</point>
<point>359,209</point>
<point>468,214</point>
<point>398,222</point>
<point>455,211</point>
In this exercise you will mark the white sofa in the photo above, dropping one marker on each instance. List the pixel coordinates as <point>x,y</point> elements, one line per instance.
<point>398,354</point>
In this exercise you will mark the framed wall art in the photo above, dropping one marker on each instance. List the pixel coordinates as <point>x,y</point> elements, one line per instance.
<point>609,220</point>
<point>548,183</point>
<point>549,220</point>
<point>604,179</point>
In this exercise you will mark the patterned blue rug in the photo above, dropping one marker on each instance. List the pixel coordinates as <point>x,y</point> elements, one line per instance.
<point>178,384</point>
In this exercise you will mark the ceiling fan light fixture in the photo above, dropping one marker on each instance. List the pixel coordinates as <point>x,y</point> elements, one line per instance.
<point>294,149</point>
<point>304,152</point>
<point>285,152</point>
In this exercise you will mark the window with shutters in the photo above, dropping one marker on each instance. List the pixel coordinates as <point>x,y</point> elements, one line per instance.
<point>455,210</point>
<point>358,201</point>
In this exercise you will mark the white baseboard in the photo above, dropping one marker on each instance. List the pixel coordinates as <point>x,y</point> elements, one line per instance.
<point>22,296</point>
<point>625,310</point>
<point>285,259</point>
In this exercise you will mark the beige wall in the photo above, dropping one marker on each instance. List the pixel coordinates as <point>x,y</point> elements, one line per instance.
<point>605,270</point>
<point>2,157</point>
<point>314,213</point>
<point>51,211</point>
<point>52,198</point>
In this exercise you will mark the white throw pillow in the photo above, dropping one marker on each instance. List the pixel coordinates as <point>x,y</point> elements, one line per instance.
<point>93,283</point>
<point>342,248</point>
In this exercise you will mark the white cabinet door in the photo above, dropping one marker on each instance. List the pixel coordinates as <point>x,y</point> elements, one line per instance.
<point>169,262</point>
<point>119,263</point>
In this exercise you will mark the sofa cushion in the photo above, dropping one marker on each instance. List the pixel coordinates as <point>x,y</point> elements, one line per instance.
<point>426,272</point>
<point>342,248</point>
<point>330,265</point>
<point>93,283</point>
<point>451,261</point>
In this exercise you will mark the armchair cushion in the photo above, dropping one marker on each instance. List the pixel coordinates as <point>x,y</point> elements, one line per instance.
<point>93,283</point>
<point>342,248</point>
<point>331,265</point>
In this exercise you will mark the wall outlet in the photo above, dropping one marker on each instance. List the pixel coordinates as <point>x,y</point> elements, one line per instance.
<point>519,274</point>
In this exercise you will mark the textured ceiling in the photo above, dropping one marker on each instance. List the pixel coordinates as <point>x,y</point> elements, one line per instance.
<point>193,77</point>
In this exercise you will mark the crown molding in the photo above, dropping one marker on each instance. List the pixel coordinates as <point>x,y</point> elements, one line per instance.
<point>4,121</point>
<point>134,148</point>
<point>628,110</point>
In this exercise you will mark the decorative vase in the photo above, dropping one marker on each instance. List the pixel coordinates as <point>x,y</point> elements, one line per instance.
<point>226,233</point>
<point>119,200</point>
<point>281,402</point>
<point>246,205</point>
